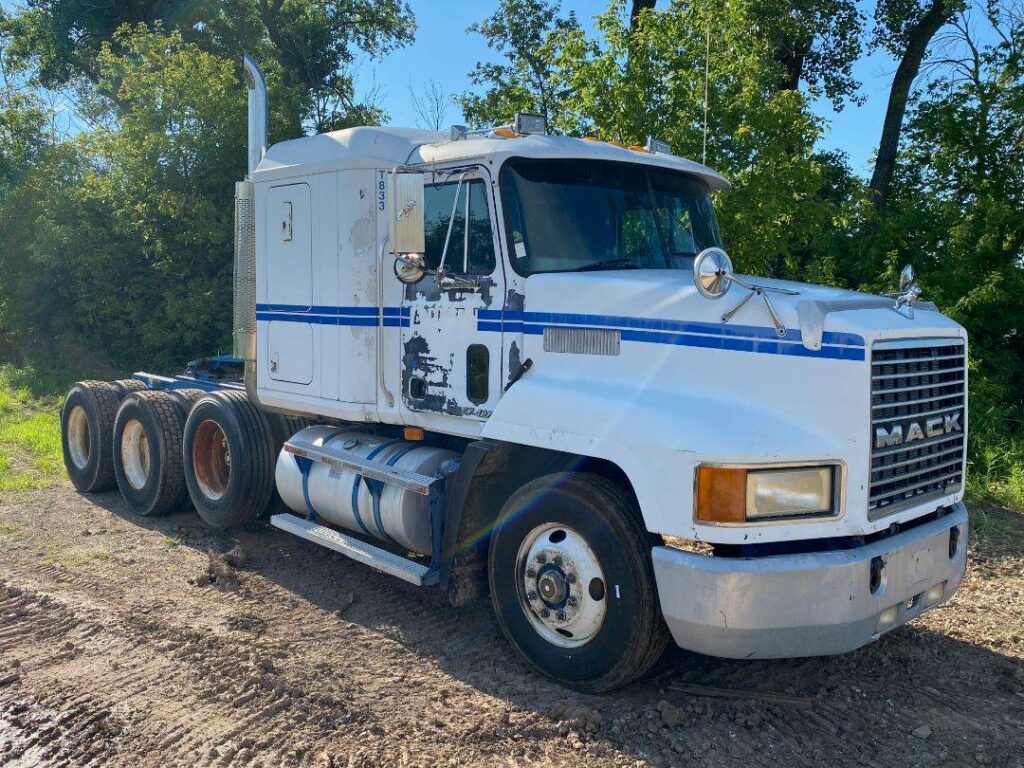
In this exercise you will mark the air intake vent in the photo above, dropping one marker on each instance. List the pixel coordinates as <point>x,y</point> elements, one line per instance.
<point>244,320</point>
<point>918,421</point>
<point>582,341</point>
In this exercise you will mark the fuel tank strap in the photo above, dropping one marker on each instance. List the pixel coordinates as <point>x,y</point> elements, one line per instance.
<point>374,495</point>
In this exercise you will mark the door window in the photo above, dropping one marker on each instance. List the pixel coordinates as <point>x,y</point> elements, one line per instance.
<point>470,249</point>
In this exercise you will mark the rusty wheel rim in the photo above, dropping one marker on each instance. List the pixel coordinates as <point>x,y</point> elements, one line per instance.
<point>211,459</point>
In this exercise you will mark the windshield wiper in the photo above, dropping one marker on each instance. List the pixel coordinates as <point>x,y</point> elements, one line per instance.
<point>614,264</point>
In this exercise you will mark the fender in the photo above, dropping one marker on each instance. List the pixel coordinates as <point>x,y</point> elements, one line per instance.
<point>656,437</point>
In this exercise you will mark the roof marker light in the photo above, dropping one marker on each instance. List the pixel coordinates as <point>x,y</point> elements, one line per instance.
<point>658,146</point>
<point>458,133</point>
<point>527,124</point>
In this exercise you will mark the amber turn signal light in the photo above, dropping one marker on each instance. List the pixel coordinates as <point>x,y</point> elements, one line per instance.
<point>721,495</point>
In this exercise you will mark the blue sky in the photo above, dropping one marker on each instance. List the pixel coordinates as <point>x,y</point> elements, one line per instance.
<point>445,52</point>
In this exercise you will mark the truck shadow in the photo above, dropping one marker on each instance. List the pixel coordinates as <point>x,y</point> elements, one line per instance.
<point>915,697</point>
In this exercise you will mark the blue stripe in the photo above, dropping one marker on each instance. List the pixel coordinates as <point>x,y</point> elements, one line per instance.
<point>321,309</point>
<point>739,338</point>
<point>366,317</point>
<point>743,345</point>
<point>518,317</point>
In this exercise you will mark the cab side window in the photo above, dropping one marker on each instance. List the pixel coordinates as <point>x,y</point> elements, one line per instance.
<point>470,249</point>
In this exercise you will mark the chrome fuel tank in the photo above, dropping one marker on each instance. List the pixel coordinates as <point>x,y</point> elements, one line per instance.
<point>343,498</point>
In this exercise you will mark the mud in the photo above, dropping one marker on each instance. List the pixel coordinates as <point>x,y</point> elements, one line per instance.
<point>137,642</point>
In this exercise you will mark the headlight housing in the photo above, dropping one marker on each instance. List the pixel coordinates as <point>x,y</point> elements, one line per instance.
<point>751,494</point>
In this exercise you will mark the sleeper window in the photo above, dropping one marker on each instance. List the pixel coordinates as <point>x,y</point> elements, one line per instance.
<point>470,251</point>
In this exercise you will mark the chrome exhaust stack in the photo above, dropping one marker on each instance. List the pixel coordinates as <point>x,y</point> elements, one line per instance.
<point>244,314</point>
<point>257,111</point>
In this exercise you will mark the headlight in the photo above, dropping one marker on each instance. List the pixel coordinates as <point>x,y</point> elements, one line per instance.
<point>788,492</point>
<point>739,495</point>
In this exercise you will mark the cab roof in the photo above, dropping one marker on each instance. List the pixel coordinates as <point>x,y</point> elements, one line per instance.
<point>376,148</point>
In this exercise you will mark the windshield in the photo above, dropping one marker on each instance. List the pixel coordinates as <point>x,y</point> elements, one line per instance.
<point>564,215</point>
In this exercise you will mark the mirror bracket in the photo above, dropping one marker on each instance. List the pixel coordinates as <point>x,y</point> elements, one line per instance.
<point>713,275</point>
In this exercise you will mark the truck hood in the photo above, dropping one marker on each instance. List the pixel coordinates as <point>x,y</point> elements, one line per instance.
<point>815,316</point>
<point>637,368</point>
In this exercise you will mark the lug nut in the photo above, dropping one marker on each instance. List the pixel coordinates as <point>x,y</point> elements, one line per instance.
<point>561,616</point>
<point>571,578</point>
<point>531,595</point>
<point>572,601</point>
<point>545,613</point>
<point>530,573</point>
<point>558,560</point>
<point>542,558</point>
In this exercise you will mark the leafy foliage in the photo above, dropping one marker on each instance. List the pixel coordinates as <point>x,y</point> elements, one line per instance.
<point>118,237</point>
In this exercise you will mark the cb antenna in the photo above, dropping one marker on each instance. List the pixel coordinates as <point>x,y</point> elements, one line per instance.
<point>707,66</point>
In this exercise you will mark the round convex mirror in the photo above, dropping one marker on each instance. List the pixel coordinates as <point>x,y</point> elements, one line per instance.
<point>712,273</point>
<point>410,268</point>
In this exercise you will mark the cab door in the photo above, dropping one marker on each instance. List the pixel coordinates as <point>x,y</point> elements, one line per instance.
<point>288,287</point>
<point>451,358</point>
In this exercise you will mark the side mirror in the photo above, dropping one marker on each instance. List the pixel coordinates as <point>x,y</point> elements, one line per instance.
<point>410,268</point>
<point>712,273</point>
<point>406,214</point>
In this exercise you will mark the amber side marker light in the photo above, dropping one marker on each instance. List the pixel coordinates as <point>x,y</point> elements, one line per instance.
<point>721,495</point>
<point>413,433</point>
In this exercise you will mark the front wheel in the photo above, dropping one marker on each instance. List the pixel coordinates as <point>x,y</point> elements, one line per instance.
<point>572,582</point>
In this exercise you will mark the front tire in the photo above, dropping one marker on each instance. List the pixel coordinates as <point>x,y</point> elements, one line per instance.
<point>572,582</point>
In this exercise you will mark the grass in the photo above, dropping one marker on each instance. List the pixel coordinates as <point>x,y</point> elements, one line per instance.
<point>30,447</point>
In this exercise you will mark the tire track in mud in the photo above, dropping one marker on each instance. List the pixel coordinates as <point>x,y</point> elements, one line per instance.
<point>196,694</point>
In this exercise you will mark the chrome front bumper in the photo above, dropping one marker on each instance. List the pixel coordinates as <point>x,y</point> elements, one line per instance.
<point>809,604</point>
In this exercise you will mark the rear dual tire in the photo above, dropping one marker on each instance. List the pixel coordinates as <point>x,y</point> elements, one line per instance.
<point>147,452</point>
<point>87,430</point>
<point>230,448</point>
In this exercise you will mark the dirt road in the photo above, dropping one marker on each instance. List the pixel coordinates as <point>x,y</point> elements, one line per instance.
<point>124,643</point>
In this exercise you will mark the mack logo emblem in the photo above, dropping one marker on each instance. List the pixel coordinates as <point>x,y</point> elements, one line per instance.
<point>916,430</point>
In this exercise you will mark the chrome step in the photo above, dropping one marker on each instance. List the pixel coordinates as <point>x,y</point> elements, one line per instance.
<point>368,554</point>
<point>342,459</point>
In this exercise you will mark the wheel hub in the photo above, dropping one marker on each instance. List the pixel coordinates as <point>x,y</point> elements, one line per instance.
<point>78,437</point>
<point>135,454</point>
<point>211,459</point>
<point>562,582</point>
<point>553,587</point>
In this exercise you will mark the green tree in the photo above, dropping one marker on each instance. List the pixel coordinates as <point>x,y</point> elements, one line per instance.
<point>525,32</point>
<point>310,45</point>
<point>650,80</point>
<point>123,236</point>
<point>905,29</point>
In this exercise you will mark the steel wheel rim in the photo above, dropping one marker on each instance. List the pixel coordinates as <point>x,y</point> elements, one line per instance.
<point>561,585</point>
<point>78,437</point>
<point>136,456</point>
<point>211,459</point>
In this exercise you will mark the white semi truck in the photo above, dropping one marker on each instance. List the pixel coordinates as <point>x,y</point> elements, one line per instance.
<point>501,361</point>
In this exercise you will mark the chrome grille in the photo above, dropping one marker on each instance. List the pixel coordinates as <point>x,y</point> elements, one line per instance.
<point>582,341</point>
<point>918,421</point>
